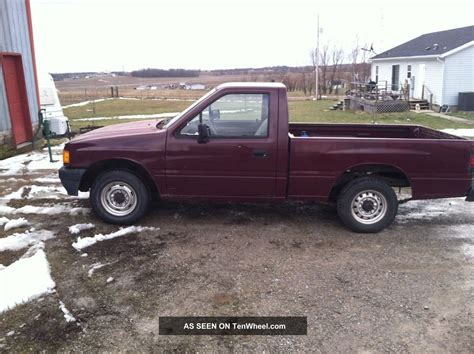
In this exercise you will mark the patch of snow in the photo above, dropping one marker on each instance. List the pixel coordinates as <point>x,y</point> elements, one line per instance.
<point>45,164</point>
<point>427,209</point>
<point>82,195</point>
<point>14,180</point>
<point>110,280</point>
<point>84,103</point>
<point>84,255</point>
<point>94,267</point>
<point>6,210</point>
<point>48,180</point>
<point>3,220</point>
<point>134,116</point>
<point>36,160</point>
<point>37,192</point>
<point>53,192</point>
<point>67,314</point>
<point>25,280</point>
<point>469,132</point>
<point>16,223</point>
<point>79,211</point>
<point>75,229</point>
<point>9,334</point>
<point>82,243</point>
<point>45,210</point>
<point>18,241</point>
<point>14,195</point>
<point>50,210</point>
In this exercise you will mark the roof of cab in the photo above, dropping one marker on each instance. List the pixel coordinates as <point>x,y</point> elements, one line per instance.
<point>278,85</point>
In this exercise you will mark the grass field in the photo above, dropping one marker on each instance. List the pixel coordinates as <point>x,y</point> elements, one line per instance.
<point>465,115</point>
<point>300,111</point>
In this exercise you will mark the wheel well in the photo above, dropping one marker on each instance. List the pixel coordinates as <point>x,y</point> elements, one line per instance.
<point>117,164</point>
<point>391,175</point>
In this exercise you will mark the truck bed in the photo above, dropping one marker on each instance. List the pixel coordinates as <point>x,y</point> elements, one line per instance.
<point>367,131</point>
<point>436,163</point>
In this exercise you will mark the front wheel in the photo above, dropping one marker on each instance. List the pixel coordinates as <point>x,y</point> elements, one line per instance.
<point>119,197</point>
<point>367,205</point>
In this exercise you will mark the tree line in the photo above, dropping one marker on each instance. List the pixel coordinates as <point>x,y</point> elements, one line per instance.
<point>150,72</point>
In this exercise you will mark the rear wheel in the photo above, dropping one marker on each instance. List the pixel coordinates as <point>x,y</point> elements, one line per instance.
<point>367,205</point>
<point>119,197</point>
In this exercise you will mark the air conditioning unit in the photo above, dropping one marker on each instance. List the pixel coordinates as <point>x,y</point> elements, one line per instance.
<point>466,101</point>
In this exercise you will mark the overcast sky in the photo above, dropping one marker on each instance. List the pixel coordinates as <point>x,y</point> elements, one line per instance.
<point>101,35</point>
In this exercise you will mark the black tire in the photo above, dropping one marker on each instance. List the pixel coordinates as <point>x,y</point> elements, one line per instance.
<point>127,185</point>
<point>367,212</point>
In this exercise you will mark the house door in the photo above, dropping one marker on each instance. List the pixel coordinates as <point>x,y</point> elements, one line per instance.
<point>420,81</point>
<point>17,98</point>
<point>395,77</point>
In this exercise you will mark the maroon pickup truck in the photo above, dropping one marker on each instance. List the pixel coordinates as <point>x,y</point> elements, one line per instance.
<point>236,144</point>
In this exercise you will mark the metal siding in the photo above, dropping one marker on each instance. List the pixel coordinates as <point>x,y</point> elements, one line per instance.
<point>14,37</point>
<point>459,75</point>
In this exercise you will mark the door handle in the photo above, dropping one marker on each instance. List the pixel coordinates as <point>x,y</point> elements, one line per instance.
<point>260,153</point>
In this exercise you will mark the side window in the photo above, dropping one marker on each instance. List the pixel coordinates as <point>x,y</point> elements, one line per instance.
<point>233,115</point>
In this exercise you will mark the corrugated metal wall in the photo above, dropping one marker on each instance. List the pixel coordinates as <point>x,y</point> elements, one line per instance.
<point>14,37</point>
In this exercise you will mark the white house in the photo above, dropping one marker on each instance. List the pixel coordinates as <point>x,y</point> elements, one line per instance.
<point>195,87</point>
<point>438,63</point>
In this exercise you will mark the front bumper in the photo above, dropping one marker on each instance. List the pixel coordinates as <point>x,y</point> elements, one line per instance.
<point>71,179</point>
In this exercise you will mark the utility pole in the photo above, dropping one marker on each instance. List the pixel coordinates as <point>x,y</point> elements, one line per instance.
<point>316,88</point>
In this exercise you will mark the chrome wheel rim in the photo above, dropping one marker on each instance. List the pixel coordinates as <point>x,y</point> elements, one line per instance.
<point>369,207</point>
<point>118,198</point>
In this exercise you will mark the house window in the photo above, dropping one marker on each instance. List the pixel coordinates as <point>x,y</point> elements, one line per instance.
<point>395,77</point>
<point>408,71</point>
<point>377,73</point>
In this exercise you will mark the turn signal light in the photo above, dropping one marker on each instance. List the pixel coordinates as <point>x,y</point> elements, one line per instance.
<point>66,157</point>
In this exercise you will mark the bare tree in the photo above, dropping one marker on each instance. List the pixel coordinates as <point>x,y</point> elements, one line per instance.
<point>354,59</point>
<point>337,57</point>
<point>303,84</point>
<point>323,67</point>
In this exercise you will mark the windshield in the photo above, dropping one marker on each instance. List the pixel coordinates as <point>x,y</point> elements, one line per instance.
<point>171,122</point>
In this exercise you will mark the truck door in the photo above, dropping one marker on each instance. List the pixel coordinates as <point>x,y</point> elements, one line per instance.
<point>239,158</point>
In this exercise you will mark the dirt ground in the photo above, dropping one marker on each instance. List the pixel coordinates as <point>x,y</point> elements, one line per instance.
<point>409,288</point>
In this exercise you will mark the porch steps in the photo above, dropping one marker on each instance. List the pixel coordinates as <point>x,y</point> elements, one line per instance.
<point>424,105</point>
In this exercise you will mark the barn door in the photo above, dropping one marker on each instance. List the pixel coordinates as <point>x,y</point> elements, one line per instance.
<point>17,98</point>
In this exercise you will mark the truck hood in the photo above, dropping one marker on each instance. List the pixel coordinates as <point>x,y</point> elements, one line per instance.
<point>120,131</point>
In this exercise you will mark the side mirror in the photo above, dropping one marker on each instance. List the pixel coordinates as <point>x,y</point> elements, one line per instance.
<point>203,133</point>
